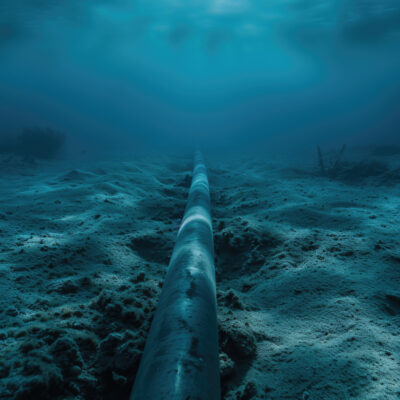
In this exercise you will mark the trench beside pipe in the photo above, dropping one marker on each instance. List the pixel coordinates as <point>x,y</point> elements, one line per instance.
<point>180,360</point>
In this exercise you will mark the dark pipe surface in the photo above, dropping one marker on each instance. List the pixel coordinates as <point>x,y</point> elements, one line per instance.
<point>180,360</point>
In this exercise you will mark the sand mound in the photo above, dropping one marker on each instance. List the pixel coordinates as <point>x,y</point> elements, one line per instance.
<point>76,176</point>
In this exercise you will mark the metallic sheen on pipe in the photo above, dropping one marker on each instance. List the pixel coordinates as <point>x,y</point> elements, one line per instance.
<point>180,360</point>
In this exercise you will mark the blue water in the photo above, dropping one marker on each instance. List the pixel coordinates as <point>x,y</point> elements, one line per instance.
<point>290,72</point>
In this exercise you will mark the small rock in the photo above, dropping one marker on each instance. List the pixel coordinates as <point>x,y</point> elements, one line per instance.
<point>237,340</point>
<point>249,392</point>
<point>110,343</point>
<point>76,370</point>
<point>233,301</point>
<point>113,309</point>
<point>226,365</point>
<point>66,354</point>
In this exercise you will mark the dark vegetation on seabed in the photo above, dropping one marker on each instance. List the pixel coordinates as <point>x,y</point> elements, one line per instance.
<point>333,165</point>
<point>34,142</point>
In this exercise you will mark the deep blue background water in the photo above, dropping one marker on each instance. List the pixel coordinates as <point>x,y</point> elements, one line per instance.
<point>284,73</point>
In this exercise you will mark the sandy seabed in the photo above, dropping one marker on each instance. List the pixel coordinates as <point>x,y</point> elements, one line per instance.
<point>308,276</point>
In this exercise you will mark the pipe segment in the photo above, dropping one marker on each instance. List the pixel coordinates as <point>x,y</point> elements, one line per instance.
<point>180,359</point>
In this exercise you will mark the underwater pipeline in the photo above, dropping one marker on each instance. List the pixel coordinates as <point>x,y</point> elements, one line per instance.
<point>180,359</point>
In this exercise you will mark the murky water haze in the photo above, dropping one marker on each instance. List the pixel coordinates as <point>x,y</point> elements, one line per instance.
<point>228,71</point>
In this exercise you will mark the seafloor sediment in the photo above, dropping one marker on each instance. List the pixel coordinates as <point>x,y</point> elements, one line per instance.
<point>308,275</point>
